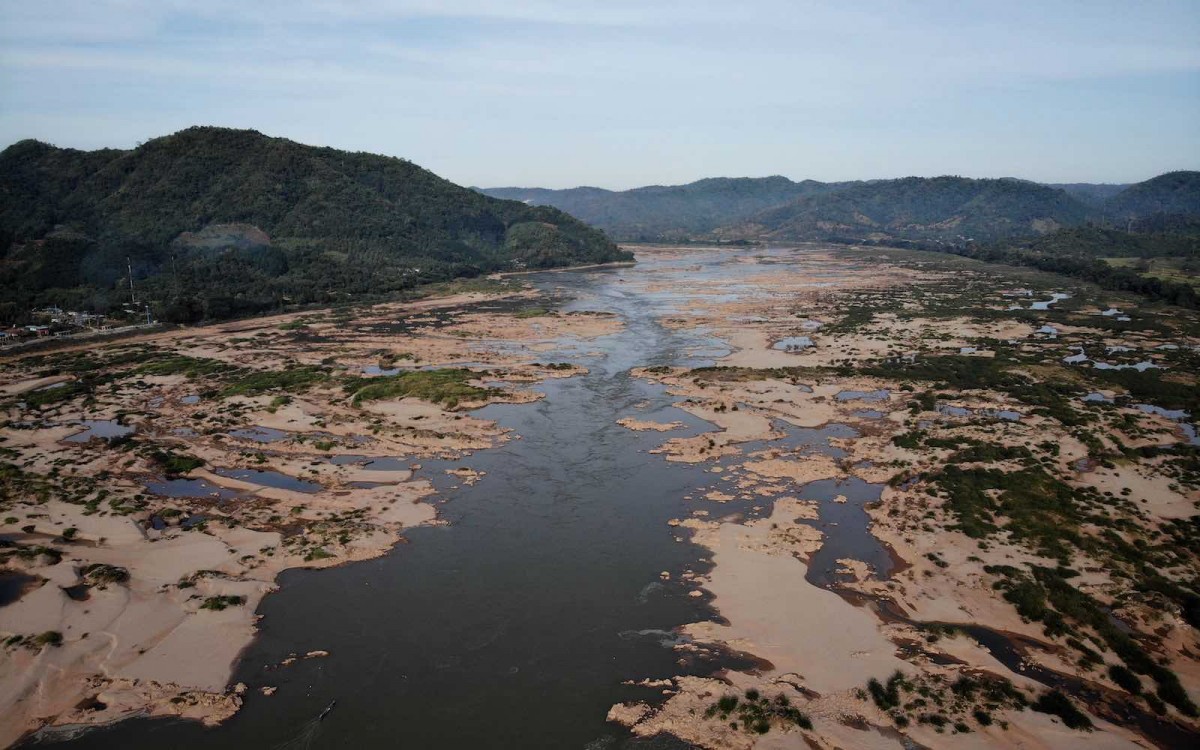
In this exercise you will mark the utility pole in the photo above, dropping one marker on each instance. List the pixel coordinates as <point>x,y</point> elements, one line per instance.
<point>132,296</point>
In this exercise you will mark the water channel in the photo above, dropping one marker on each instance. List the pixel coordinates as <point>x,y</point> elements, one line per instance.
<point>516,624</point>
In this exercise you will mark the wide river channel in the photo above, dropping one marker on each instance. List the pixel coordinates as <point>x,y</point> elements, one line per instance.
<point>516,624</point>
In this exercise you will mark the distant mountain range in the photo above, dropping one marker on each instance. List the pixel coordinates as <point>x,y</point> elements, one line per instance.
<point>218,223</point>
<point>221,222</point>
<point>948,209</point>
<point>674,212</point>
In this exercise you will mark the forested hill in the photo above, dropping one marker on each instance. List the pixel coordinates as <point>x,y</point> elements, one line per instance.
<point>1091,193</point>
<point>950,208</point>
<point>1173,193</point>
<point>945,209</point>
<point>223,222</point>
<point>669,212</point>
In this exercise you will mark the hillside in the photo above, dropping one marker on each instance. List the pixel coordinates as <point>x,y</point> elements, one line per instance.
<point>669,212</point>
<point>223,222</point>
<point>1146,241</point>
<point>1170,193</point>
<point>1091,193</point>
<point>947,208</point>
<point>944,209</point>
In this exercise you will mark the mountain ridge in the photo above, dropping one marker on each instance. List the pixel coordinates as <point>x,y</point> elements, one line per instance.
<point>336,223</point>
<point>967,208</point>
<point>669,211</point>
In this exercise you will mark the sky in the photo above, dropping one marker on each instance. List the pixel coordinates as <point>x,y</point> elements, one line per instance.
<point>622,93</point>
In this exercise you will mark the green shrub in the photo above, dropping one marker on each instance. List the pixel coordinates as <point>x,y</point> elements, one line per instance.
<point>220,602</point>
<point>174,464</point>
<point>1125,678</point>
<point>48,638</point>
<point>1057,704</point>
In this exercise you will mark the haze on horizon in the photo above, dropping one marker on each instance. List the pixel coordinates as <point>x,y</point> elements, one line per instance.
<point>620,94</point>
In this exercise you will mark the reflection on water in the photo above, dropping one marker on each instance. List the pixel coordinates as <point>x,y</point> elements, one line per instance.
<point>260,434</point>
<point>189,488</point>
<point>373,463</point>
<point>845,523</point>
<point>270,479</point>
<point>99,428</point>
<point>880,395</point>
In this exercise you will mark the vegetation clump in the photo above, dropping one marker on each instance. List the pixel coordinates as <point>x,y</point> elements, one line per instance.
<point>938,702</point>
<point>174,464</point>
<point>222,601</point>
<point>447,386</point>
<point>48,638</point>
<point>102,573</point>
<point>756,713</point>
<point>190,367</point>
<point>292,379</point>
<point>1057,704</point>
<point>1045,595</point>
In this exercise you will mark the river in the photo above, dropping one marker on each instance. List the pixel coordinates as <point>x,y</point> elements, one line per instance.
<point>516,624</point>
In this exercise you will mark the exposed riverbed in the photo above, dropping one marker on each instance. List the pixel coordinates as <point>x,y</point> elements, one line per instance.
<point>585,550</point>
<point>516,624</point>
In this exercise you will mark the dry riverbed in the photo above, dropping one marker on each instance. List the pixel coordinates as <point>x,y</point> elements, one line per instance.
<point>1035,514</point>
<point>950,504</point>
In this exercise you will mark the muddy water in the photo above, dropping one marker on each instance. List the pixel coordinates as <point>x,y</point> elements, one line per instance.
<point>515,625</point>
<point>843,519</point>
<point>99,428</point>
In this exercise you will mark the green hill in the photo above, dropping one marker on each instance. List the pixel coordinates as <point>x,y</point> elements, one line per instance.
<point>670,212</point>
<point>947,208</point>
<point>1170,193</point>
<point>223,222</point>
<point>1091,193</point>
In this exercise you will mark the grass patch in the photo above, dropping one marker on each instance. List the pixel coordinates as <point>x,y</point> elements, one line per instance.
<point>191,367</point>
<point>48,638</point>
<point>294,379</point>
<point>447,386</point>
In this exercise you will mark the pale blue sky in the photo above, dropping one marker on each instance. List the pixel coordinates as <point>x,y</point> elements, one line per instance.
<point>621,93</point>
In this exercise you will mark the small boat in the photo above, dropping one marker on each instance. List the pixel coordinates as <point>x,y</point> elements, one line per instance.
<point>327,710</point>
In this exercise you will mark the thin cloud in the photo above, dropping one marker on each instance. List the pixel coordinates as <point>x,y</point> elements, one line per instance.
<point>621,92</point>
